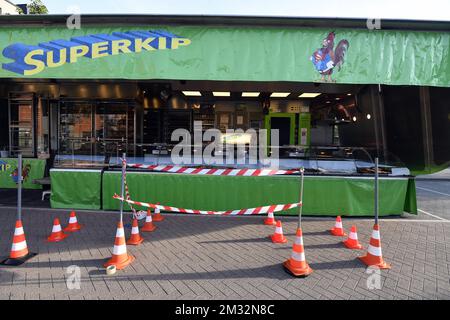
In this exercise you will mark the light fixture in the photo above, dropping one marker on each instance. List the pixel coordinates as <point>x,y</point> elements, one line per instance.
<point>369,116</point>
<point>337,98</point>
<point>192,93</point>
<point>309,95</point>
<point>354,119</point>
<point>349,94</point>
<point>328,102</point>
<point>221,94</point>
<point>250,94</point>
<point>279,94</point>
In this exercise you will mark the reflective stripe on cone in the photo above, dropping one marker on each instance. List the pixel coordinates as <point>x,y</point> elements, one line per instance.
<point>278,236</point>
<point>374,255</point>
<point>270,220</point>
<point>297,265</point>
<point>135,238</point>
<point>352,241</point>
<point>337,230</point>
<point>73,225</point>
<point>57,233</point>
<point>148,225</point>
<point>19,247</point>
<point>120,258</point>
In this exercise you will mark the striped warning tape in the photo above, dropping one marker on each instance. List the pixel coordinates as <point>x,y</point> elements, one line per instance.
<point>137,215</point>
<point>213,172</point>
<point>127,193</point>
<point>239,212</point>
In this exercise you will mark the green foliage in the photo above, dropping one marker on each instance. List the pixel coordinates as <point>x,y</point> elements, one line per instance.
<point>37,7</point>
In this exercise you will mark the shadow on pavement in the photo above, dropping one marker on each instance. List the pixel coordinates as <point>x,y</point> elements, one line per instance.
<point>332,265</point>
<point>270,271</point>
<point>30,198</point>
<point>249,240</point>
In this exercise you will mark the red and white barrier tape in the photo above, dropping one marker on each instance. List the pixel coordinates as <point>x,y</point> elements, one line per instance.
<point>127,195</point>
<point>213,172</point>
<point>251,211</point>
<point>136,215</point>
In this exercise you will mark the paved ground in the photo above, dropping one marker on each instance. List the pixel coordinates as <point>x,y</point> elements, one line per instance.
<point>443,174</point>
<point>202,257</point>
<point>198,257</point>
<point>433,198</point>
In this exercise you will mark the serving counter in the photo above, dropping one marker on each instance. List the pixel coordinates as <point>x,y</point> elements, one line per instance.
<point>350,195</point>
<point>76,188</point>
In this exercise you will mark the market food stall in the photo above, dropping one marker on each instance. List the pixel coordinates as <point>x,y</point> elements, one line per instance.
<point>332,186</point>
<point>139,84</point>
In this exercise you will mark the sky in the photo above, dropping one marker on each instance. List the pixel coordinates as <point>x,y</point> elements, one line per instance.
<point>384,9</point>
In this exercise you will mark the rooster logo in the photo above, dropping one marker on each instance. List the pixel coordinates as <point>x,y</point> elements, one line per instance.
<point>25,172</point>
<point>326,59</point>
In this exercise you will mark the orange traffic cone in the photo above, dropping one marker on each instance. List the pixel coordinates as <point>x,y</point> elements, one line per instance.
<point>135,238</point>
<point>19,249</point>
<point>374,256</point>
<point>73,223</point>
<point>270,220</point>
<point>297,264</point>
<point>352,240</point>
<point>57,233</point>
<point>120,258</point>
<point>278,236</point>
<point>157,217</point>
<point>337,229</point>
<point>148,225</point>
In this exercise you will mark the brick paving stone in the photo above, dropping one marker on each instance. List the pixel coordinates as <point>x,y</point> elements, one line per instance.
<point>193,257</point>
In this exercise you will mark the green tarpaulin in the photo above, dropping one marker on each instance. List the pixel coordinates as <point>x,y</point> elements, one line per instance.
<point>323,195</point>
<point>224,53</point>
<point>76,189</point>
<point>32,169</point>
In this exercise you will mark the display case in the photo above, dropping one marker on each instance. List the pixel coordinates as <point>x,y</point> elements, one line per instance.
<point>345,161</point>
<point>81,161</point>
<point>341,161</point>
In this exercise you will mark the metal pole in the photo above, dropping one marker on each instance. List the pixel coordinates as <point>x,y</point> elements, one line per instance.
<point>124,168</point>
<point>19,187</point>
<point>376,190</point>
<point>302,176</point>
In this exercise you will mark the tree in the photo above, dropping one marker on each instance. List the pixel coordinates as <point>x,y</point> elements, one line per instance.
<point>37,7</point>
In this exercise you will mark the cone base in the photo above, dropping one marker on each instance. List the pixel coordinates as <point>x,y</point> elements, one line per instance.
<point>75,228</point>
<point>119,265</point>
<point>297,272</point>
<point>338,232</point>
<point>276,239</point>
<point>157,217</point>
<point>148,228</point>
<point>357,246</point>
<point>58,238</point>
<point>18,261</point>
<point>270,222</point>
<point>380,264</point>
<point>135,242</point>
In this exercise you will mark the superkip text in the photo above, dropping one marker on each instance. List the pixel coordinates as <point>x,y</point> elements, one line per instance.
<point>33,59</point>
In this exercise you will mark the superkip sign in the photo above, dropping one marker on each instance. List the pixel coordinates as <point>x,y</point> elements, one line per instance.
<point>31,59</point>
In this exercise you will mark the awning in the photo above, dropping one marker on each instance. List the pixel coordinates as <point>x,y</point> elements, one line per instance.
<point>247,53</point>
